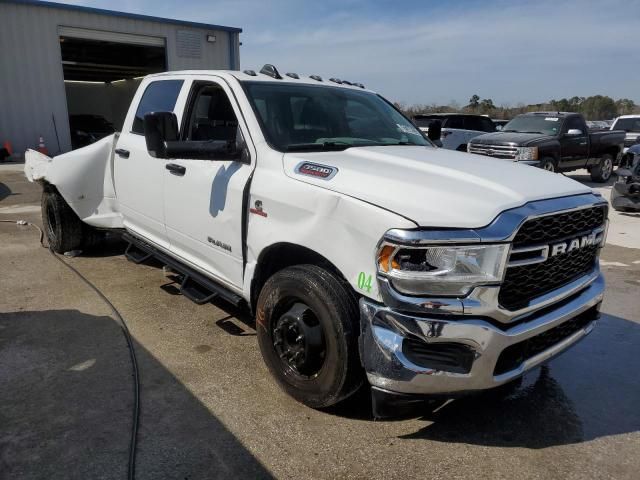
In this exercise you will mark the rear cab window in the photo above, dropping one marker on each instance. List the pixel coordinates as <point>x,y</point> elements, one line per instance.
<point>479,124</point>
<point>159,96</point>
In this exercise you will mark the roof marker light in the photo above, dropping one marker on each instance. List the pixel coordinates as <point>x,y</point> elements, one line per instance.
<point>335,80</point>
<point>250,72</point>
<point>316,77</point>
<point>271,71</point>
<point>293,75</point>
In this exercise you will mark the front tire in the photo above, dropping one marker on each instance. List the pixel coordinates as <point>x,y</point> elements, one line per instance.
<point>602,172</point>
<point>549,164</point>
<point>307,324</point>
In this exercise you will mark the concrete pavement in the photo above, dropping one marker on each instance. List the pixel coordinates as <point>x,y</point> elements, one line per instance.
<point>211,410</point>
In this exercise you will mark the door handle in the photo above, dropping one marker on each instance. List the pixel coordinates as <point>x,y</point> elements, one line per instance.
<point>176,169</point>
<point>122,152</point>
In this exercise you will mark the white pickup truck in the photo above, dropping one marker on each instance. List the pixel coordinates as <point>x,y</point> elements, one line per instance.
<point>365,253</point>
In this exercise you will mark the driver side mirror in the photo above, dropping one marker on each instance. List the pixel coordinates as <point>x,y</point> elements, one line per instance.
<point>161,135</point>
<point>160,128</point>
<point>574,132</point>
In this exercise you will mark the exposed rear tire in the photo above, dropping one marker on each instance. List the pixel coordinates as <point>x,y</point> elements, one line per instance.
<point>64,230</point>
<point>602,171</point>
<point>307,324</point>
<point>549,164</point>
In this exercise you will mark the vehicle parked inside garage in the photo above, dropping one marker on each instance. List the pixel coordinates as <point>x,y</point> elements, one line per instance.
<point>365,253</point>
<point>87,129</point>
<point>554,141</point>
<point>457,128</point>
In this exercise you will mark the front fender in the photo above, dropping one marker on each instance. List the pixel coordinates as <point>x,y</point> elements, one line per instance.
<point>342,229</point>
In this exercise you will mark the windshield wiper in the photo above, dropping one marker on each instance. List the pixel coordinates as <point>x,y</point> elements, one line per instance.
<point>319,147</point>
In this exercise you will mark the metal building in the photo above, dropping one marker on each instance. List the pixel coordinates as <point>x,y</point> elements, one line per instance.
<point>59,60</point>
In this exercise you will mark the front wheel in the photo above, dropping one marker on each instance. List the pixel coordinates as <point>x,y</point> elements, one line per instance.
<point>548,164</point>
<point>307,324</point>
<point>602,171</point>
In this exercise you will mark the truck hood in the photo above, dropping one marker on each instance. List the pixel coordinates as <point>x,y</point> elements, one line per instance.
<point>432,187</point>
<point>512,138</point>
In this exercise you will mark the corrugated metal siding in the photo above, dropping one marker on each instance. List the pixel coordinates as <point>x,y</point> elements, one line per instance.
<point>31,79</point>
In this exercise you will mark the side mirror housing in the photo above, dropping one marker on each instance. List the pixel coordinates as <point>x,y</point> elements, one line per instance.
<point>434,131</point>
<point>160,128</point>
<point>574,132</point>
<point>161,135</point>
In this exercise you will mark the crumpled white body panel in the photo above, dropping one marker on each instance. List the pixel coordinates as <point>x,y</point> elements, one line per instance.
<point>84,178</point>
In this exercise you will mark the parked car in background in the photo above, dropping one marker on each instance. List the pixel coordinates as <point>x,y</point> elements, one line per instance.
<point>597,125</point>
<point>457,128</point>
<point>555,141</point>
<point>87,129</point>
<point>499,123</point>
<point>631,125</point>
<point>625,194</point>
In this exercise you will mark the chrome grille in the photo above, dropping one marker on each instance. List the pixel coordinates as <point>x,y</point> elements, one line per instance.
<point>523,283</point>
<point>498,151</point>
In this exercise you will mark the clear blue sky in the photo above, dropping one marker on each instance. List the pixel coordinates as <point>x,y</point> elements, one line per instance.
<point>434,51</point>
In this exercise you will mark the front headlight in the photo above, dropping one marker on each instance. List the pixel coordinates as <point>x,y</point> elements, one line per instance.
<point>442,270</point>
<point>527,153</point>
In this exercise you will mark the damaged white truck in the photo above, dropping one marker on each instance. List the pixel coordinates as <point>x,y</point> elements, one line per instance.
<point>364,252</point>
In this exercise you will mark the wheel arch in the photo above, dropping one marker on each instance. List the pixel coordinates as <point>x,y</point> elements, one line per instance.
<point>281,255</point>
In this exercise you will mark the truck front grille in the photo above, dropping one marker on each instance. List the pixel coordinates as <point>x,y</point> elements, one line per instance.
<point>523,283</point>
<point>498,151</point>
<point>557,227</point>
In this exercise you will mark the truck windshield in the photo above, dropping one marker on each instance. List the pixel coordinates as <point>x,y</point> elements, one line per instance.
<point>534,124</point>
<point>317,118</point>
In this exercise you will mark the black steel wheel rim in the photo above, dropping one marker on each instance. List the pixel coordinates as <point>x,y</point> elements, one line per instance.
<point>298,340</point>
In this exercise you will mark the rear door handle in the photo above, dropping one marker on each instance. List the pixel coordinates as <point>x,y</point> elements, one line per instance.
<point>176,169</point>
<point>122,152</point>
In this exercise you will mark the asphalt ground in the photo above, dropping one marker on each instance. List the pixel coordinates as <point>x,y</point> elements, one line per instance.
<point>211,410</point>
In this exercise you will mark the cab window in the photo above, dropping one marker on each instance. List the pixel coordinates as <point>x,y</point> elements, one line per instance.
<point>211,115</point>
<point>159,96</point>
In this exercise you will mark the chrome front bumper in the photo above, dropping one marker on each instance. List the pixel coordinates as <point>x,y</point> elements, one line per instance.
<point>383,331</point>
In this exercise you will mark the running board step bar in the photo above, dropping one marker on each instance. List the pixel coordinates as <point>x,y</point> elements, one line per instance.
<point>135,254</point>
<point>195,286</point>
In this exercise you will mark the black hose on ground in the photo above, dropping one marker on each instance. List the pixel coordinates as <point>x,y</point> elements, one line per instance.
<point>127,335</point>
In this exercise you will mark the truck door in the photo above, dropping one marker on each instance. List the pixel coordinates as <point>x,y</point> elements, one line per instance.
<point>204,198</point>
<point>574,149</point>
<point>139,177</point>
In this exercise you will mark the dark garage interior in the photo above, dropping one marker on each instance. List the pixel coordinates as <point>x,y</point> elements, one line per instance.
<point>101,78</point>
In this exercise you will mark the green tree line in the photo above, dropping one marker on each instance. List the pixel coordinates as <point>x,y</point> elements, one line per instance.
<point>596,107</point>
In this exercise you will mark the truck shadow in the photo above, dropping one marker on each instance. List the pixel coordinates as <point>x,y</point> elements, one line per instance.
<point>589,393</point>
<point>66,396</point>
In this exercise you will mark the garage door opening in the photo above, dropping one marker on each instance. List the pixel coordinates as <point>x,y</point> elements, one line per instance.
<point>102,71</point>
